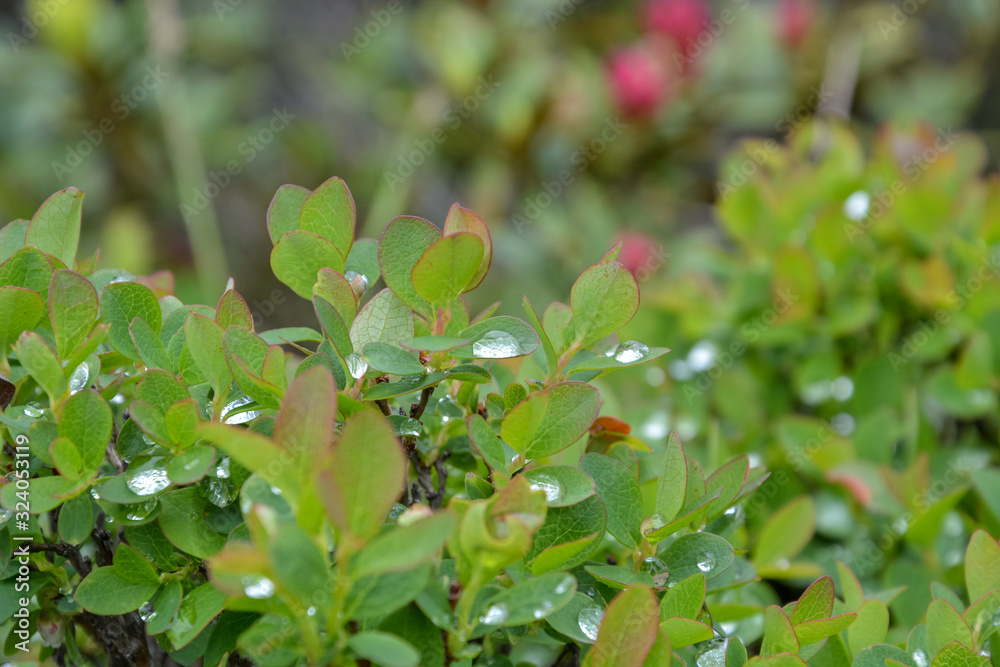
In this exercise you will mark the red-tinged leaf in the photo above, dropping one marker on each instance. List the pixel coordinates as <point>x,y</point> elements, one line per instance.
<point>628,631</point>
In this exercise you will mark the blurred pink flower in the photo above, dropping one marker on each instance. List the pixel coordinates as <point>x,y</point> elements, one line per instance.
<point>640,254</point>
<point>637,80</point>
<point>795,18</point>
<point>681,20</point>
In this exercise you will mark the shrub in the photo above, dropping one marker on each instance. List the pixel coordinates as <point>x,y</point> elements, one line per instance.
<point>385,489</point>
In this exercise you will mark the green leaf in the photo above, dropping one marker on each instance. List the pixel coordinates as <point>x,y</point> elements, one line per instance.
<point>698,552</point>
<point>205,340</point>
<point>406,385</point>
<point>300,566</point>
<point>291,335</point>
<point>12,237</point>
<point>363,260</point>
<point>41,363</point>
<point>28,268</point>
<point>161,389</point>
<point>550,353</point>
<point>604,298</point>
<point>446,268</point>
<point>44,493</point>
<point>568,536</point>
<point>616,576</point>
<point>377,596</point>
<point>878,655</point>
<point>191,466</point>
<point>333,326</point>
<point>500,337</point>
<point>283,213</point>
<point>182,519</point>
<point>580,614</point>
<point>384,319</point>
<point>628,631</point>
<point>810,632</point>
<point>231,310</point>
<point>685,632</point>
<point>684,599</point>
<point>66,458</point>
<point>121,588</point>
<point>73,310</point>
<point>779,636</point>
<point>55,227</point>
<point>87,421</point>
<point>329,212</point>
<point>391,359</point>
<point>148,344</point>
<point>304,426</point>
<point>945,625</point>
<point>181,420</point>
<point>335,289</point>
<point>563,485</point>
<point>619,490</point>
<point>956,655</point>
<point>487,444</point>
<point>982,565</point>
<point>403,242</point>
<point>463,220</point>
<point>76,519</point>
<point>550,421</point>
<point>786,532</point>
<point>815,603</point>
<point>404,547</point>
<point>780,660</point>
<point>363,476</point>
<point>297,258</point>
<point>382,648</point>
<point>870,626</point>
<point>197,610</point>
<point>411,625</point>
<point>165,602</point>
<point>120,304</point>
<point>730,478</point>
<point>633,357</point>
<point>532,599</point>
<point>470,373</point>
<point>672,483</point>
<point>23,310</point>
<point>255,453</point>
<point>433,343</point>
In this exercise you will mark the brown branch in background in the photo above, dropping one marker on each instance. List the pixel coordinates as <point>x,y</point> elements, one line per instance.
<point>80,562</point>
<point>417,409</point>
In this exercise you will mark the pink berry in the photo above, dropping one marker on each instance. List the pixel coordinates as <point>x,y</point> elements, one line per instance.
<point>795,17</point>
<point>637,81</point>
<point>681,20</point>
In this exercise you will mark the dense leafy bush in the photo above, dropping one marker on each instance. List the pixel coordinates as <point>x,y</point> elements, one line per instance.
<point>387,489</point>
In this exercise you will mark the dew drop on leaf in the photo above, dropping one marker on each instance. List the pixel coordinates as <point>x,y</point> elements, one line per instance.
<point>242,417</point>
<point>590,621</point>
<point>629,352</point>
<point>542,611</point>
<point>356,365</point>
<point>550,485</point>
<point>496,345</point>
<point>80,378</point>
<point>920,658</point>
<point>140,512</point>
<point>5,515</point>
<point>706,562</point>
<point>495,615</point>
<point>713,655</point>
<point>257,587</point>
<point>33,410</point>
<point>148,482</point>
<point>565,585</point>
<point>146,612</point>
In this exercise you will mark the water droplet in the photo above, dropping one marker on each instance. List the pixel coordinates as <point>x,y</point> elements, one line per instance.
<point>222,470</point>
<point>702,356</point>
<point>118,399</point>
<point>496,345</point>
<point>149,441</point>
<point>843,423</point>
<point>5,515</point>
<point>543,611</point>
<point>729,627</point>
<point>80,378</point>
<point>122,277</point>
<point>550,485</point>
<point>629,352</point>
<point>146,612</point>
<point>842,388</point>
<point>856,205</point>
<point>219,492</point>
<point>257,587</point>
<point>679,370</point>
<point>33,410</point>
<point>359,282</point>
<point>590,621</point>
<point>148,482</point>
<point>242,417</point>
<point>565,585</point>
<point>920,658</point>
<point>706,562</point>
<point>356,365</point>
<point>495,615</point>
<point>311,611</point>
<point>815,393</point>
<point>140,512</point>
<point>713,655</point>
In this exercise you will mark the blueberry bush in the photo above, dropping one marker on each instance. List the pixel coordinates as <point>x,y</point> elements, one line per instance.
<point>405,483</point>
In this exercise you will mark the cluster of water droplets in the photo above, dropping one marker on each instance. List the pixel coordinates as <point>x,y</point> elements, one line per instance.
<point>628,352</point>
<point>497,345</point>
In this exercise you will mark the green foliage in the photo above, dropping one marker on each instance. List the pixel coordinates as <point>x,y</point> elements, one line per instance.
<point>411,484</point>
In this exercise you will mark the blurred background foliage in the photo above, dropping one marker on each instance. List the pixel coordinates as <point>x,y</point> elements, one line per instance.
<point>826,286</point>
